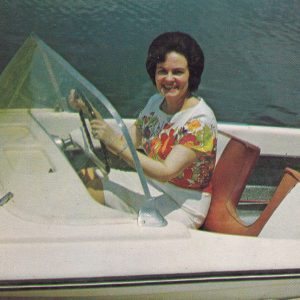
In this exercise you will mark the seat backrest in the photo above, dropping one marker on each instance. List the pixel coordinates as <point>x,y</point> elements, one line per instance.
<point>229,179</point>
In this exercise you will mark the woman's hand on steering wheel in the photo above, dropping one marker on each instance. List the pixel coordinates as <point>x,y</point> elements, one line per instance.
<point>77,102</point>
<point>103,132</point>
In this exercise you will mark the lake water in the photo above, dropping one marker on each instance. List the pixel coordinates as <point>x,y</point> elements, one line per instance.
<point>252,49</point>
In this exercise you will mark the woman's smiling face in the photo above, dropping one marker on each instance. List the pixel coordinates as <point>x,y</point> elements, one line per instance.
<point>172,77</point>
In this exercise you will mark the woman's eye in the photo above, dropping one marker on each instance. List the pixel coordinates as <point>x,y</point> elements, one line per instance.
<point>178,72</point>
<point>161,72</point>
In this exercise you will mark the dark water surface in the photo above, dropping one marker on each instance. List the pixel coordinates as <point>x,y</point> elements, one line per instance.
<point>252,49</point>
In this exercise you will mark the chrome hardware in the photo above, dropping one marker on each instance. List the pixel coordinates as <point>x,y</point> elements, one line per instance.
<point>62,143</point>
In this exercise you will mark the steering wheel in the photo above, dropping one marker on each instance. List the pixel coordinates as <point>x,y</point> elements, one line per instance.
<point>104,167</point>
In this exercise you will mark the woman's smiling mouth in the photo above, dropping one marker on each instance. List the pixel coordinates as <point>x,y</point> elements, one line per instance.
<point>169,88</point>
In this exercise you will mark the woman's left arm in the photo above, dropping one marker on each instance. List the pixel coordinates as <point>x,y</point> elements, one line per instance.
<point>178,159</point>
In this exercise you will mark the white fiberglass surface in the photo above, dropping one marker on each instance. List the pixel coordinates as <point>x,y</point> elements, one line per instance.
<point>28,161</point>
<point>285,221</point>
<point>271,140</point>
<point>45,187</point>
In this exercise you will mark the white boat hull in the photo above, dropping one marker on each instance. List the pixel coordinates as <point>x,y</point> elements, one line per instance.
<point>57,241</point>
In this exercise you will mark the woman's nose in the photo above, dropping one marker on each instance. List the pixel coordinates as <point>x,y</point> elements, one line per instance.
<point>170,76</point>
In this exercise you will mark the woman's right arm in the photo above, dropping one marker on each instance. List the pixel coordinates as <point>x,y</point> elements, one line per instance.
<point>136,136</point>
<point>116,141</point>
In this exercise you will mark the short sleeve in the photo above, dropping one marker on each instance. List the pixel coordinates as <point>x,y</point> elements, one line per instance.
<point>197,134</point>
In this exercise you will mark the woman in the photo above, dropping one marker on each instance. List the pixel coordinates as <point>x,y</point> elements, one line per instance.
<point>176,130</point>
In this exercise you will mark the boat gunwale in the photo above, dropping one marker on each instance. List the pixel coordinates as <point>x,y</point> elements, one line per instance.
<point>149,280</point>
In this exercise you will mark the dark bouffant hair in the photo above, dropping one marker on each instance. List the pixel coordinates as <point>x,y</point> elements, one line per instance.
<point>181,43</point>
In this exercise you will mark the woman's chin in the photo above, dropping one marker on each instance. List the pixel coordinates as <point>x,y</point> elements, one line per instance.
<point>171,93</point>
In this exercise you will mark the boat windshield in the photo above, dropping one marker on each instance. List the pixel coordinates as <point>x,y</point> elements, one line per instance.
<point>38,81</point>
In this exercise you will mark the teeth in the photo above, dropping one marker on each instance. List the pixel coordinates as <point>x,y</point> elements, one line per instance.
<point>169,87</point>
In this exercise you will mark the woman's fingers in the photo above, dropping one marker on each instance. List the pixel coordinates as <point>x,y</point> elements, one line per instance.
<point>97,122</point>
<point>102,131</point>
<point>98,128</point>
<point>75,101</point>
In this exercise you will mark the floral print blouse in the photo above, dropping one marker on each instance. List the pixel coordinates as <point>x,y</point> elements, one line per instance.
<point>195,128</point>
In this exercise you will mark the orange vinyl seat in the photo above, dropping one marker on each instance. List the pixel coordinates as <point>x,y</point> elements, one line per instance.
<point>229,180</point>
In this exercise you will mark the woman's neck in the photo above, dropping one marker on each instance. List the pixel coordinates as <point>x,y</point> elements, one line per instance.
<point>171,108</point>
